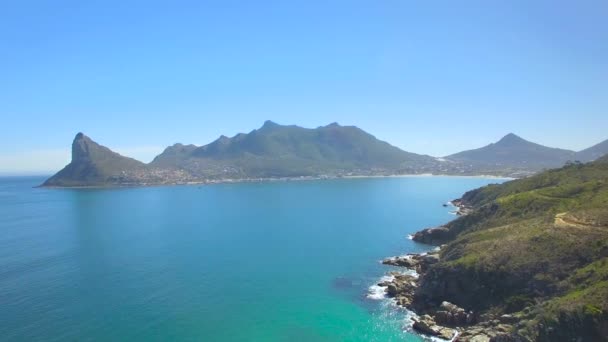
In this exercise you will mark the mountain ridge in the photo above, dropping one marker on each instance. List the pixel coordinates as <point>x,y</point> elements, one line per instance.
<point>291,151</point>
<point>271,151</point>
<point>514,153</point>
<point>594,152</point>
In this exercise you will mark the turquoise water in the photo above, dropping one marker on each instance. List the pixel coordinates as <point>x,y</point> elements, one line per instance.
<point>282,261</point>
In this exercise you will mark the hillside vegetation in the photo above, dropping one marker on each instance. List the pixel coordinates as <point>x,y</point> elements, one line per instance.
<point>536,248</point>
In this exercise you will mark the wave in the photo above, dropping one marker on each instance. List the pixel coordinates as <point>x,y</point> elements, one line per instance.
<point>377,292</point>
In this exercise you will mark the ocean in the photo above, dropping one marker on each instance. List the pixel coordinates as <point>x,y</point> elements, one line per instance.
<point>269,261</point>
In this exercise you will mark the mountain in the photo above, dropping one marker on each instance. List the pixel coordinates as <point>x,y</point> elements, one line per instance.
<point>272,151</point>
<point>290,151</point>
<point>533,249</point>
<point>512,154</point>
<point>603,159</point>
<point>93,164</point>
<point>285,151</point>
<point>593,152</point>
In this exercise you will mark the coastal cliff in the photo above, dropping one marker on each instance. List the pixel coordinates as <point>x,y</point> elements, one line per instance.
<point>527,262</point>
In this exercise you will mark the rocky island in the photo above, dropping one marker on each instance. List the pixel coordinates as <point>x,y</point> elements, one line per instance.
<point>527,261</point>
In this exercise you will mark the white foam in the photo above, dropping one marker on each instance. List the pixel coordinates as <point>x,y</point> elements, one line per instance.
<point>409,320</point>
<point>377,292</point>
<point>410,237</point>
<point>404,256</point>
<point>412,273</point>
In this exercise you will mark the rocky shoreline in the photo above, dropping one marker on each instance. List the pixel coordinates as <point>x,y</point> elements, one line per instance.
<point>438,235</point>
<point>442,320</point>
<point>461,207</point>
<point>445,321</point>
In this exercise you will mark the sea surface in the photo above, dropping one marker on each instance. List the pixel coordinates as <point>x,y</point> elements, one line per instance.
<point>275,261</point>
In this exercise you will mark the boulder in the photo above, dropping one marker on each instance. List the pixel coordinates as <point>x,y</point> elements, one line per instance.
<point>401,261</point>
<point>508,319</point>
<point>426,325</point>
<point>432,236</point>
<point>431,258</point>
<point>449,307</point>
<point>453,315</point>
<point>479,338</point>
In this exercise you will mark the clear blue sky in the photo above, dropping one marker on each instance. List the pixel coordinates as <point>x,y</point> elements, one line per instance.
<point>432,77</point>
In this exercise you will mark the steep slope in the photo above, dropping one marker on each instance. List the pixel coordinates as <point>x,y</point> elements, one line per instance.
<point>285,151</point>
<point>594,152</point>
<point>93,164</point>
<point>535,248</point>
<point>513,153</point>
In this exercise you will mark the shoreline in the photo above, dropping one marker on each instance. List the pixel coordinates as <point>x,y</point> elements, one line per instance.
<point>434,321</point>
<point>267,180</point>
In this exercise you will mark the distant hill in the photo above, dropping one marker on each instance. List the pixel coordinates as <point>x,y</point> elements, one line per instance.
<point>92,164</point>
<point>289,151</point>
<point>513,153</point>
<point>273,151</point>
<point>281,151</point>
<point>603,159</point>
<point>594,152</point>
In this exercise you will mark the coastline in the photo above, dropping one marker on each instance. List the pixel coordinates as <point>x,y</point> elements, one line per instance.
<point>267,180</point>
<point>443,321</point>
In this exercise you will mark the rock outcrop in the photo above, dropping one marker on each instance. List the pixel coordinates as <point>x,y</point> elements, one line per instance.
<point>426,325</point>
<point>417,262</point>
<point>446,319</point>
<point>432,236</point>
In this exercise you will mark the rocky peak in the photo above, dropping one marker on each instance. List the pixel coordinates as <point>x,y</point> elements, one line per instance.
<point>511,139</point>
<point>81,148</point>
<point>223,139</point>
<point>268,124</point>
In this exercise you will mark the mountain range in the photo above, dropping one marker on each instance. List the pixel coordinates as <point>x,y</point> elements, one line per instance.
<point>280,151</point>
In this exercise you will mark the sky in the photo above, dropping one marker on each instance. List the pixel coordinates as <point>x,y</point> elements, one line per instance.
<point>431,77</point>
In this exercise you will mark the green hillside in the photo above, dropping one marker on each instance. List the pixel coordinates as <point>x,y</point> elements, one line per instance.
<point>286,151</point>
<point>536,248</point>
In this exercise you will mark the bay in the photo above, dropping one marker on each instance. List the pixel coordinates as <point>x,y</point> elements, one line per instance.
<point>271,261</point>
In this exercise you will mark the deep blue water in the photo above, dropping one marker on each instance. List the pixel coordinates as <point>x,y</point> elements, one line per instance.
<point>279,261</point>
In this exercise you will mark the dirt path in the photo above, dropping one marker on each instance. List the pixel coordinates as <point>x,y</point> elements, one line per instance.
<point>563,221</point>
